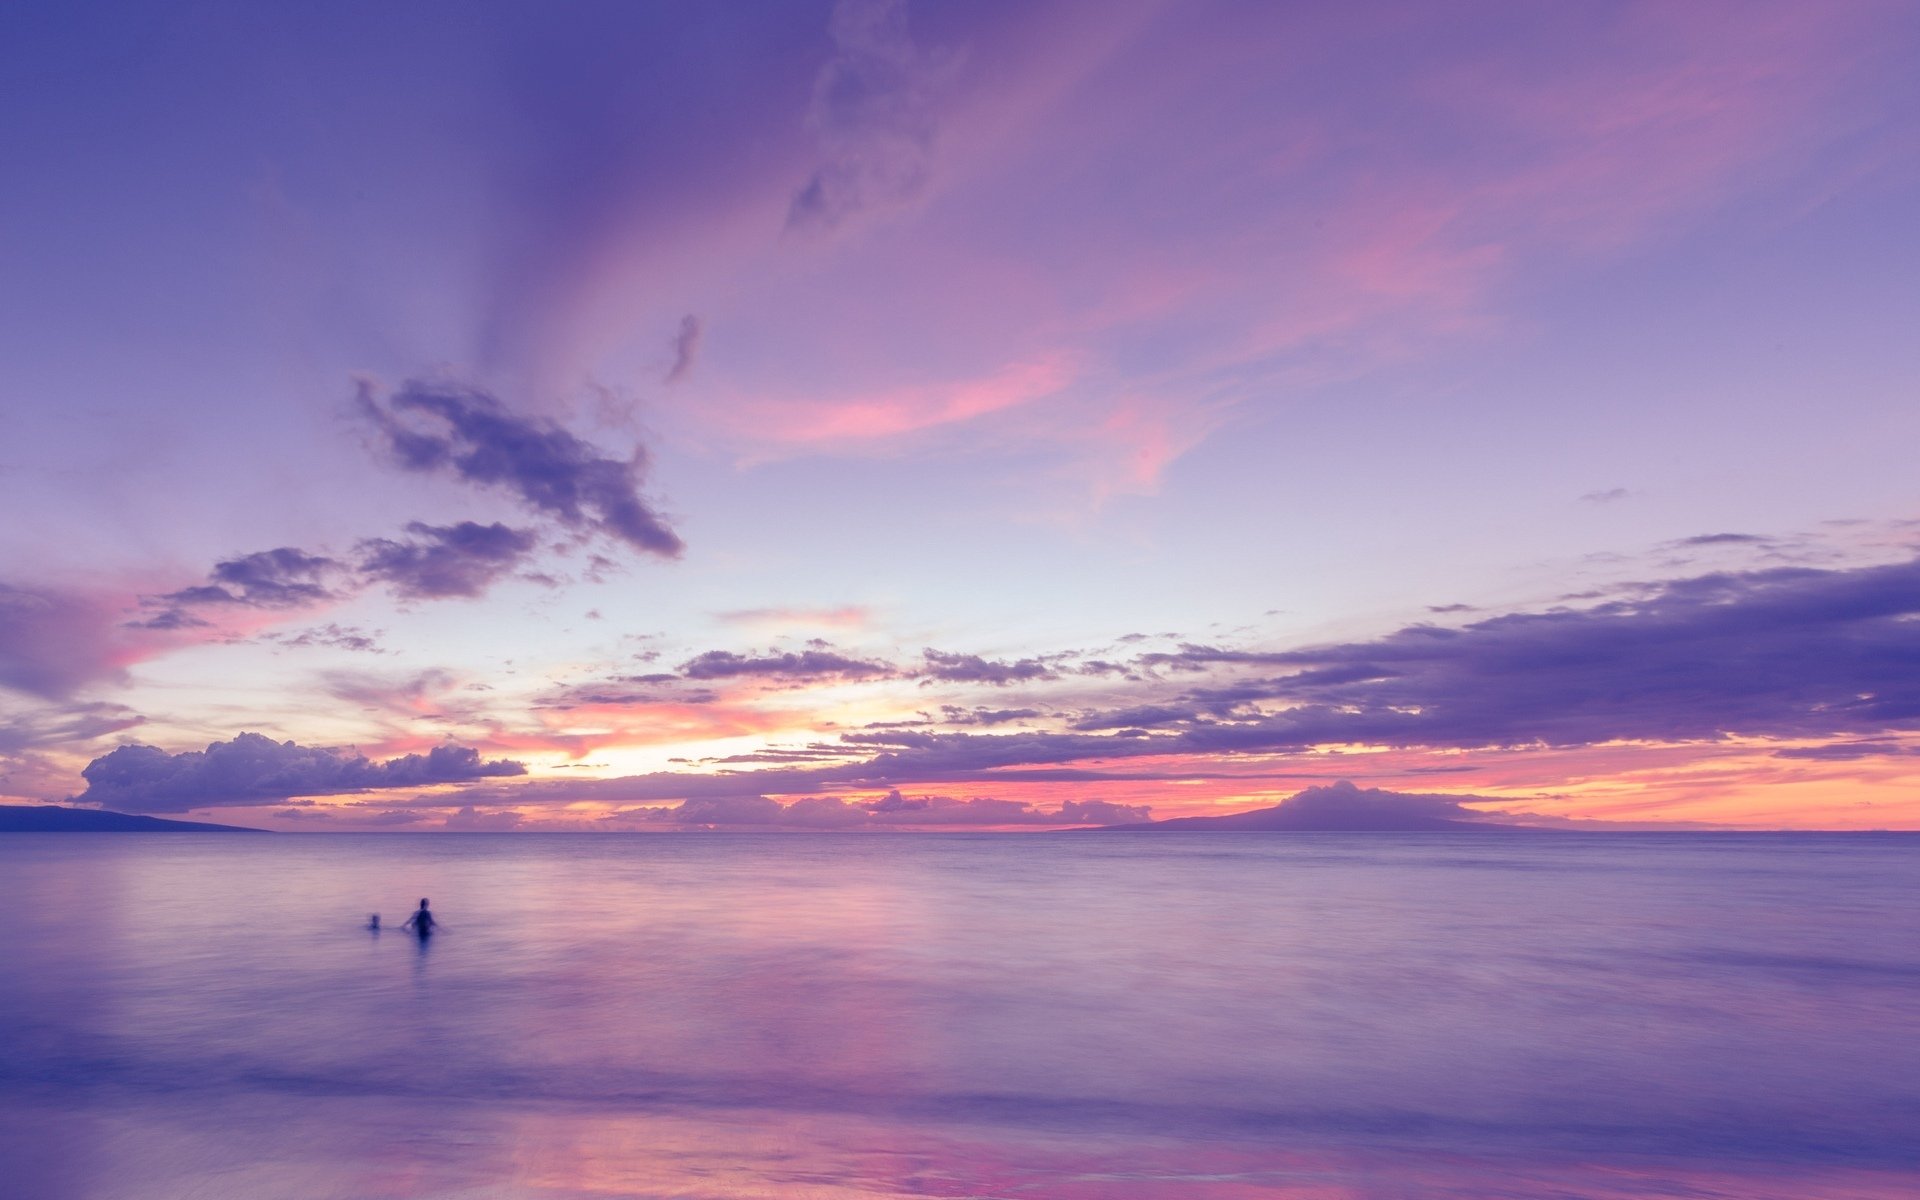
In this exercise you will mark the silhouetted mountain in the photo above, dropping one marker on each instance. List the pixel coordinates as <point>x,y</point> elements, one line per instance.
<point>52,818</point>
<point>1343,808</point>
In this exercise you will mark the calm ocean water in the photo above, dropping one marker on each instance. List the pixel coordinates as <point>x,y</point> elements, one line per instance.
<point>1074,1015</point>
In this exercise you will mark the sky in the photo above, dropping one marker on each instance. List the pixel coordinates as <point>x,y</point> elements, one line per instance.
<point>886,414</point>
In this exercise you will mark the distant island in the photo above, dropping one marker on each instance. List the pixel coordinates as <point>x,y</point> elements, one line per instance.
<point>53,818</point>
<point>1340,808</point>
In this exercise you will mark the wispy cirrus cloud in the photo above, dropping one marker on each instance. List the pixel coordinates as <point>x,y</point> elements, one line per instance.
<point>875,113</point>
<point>54,641</point>
<point>846,616</point>
<point>686,348</point>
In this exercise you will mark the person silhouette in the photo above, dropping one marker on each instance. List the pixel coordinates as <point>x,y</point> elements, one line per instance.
<point>421,922</point>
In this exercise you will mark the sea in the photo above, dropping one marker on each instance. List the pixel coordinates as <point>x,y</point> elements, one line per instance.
<point>849,1017</point>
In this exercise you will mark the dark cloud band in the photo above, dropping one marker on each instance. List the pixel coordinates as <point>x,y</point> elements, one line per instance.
<point>254,769</point>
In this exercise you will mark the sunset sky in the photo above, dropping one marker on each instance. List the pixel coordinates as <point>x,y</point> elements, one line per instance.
<point>885,415</point>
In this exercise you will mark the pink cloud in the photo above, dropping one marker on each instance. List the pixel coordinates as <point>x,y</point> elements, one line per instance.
<point>847,616</point>
<point>885,415</point>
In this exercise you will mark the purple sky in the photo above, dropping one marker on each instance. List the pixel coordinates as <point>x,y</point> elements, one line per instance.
<point>959,413</point>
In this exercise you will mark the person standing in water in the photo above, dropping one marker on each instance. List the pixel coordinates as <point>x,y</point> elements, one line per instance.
<point>421,922</point>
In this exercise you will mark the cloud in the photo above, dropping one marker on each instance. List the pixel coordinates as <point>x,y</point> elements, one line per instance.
<point>339,637</point>
<point>281,578</point>
<point>1725,539</point>
<point>805,664</point>
<point>412,694</point>
<point>1793,652</point>
<point>892,810</point>
<point>686,348</point>
<point>873,113</point>
<point>1789,652</point>
<point>471,820</point>
<point>955,715</point>
<point>1608,496</point>
<point>971,668</point>
<point>254,769</point>
<point>445,560</point>
<point>63,725</point>
<point>435,562</point>
<point>847,616</point>
<point>33,744</point>
<point>465,432</point>
<point>1845,751</point>
<point>54,641</point>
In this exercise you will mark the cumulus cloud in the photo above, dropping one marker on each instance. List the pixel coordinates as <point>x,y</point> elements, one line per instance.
<point>255,769</point>
<point>803,664</point>
<point>874,114</point>
<point>472,436</point>
<point>445,560</point>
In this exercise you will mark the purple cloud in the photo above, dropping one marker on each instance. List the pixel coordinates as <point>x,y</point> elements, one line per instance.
<point>1796,653</point>
<point>472,820</point>
<point>1845,751</point>
<point>874,115</point>
<point>53,641</point>
<point>754,810</point>
<point>1725,539</point>
<point>340,637</point>
<point>254,769</point>
<point>1789,652</point>
<point>64,724</point>
<point>445,560</point>
<point>804,664</point>
<point>285,577</point>
<point>443,428</point>
<point>955,715</point>
<point>972,668</point>
<point>686,348</point>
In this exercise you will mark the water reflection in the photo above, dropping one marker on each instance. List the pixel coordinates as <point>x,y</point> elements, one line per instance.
<point>1295,1017</point>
